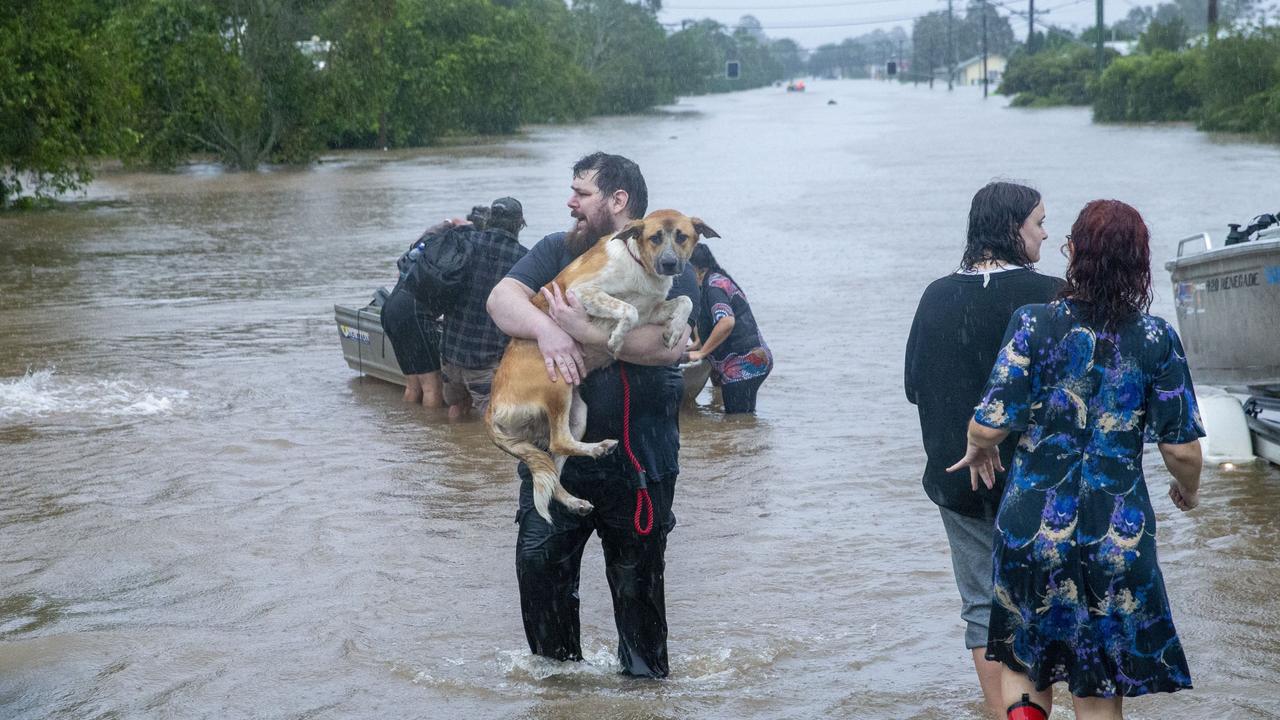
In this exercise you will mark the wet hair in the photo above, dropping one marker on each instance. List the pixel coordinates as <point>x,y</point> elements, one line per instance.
<point>613,173</point>
<point>1109,275</point>
<point>702,260</point>
<point>995,223</point>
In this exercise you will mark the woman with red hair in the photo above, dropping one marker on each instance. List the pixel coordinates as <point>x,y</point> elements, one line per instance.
<point>1078,595</point>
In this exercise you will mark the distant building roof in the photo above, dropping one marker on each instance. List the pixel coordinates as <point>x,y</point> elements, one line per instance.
<point>1124,47</point>
<point>977,59</point>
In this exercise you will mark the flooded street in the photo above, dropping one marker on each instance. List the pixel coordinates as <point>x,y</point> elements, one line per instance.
<point>205,513</point>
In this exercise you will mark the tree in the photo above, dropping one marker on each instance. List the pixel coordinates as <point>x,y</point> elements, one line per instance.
<point>65,95</point>
<point>362,74</point>
<point>1000,39</point>
<point>750,25</point>
<point>929,41</point>
<point>624,48</point>
<point>1171,35</point>
<point>1136,21</point>
<point>786,53</point>
<point>226,77</point>
<point>696,56</point>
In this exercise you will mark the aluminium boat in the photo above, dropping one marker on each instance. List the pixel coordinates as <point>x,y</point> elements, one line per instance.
<point>1228,310</point>
<point>367,350</point>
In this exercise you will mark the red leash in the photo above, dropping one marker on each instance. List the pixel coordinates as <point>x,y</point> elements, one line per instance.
<point>643,501</point>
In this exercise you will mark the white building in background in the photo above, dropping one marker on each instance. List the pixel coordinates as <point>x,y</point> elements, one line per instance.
<point>969,72</point>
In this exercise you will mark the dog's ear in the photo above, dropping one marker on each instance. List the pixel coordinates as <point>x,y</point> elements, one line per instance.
<point>704,229</point>
<point>633,229</point>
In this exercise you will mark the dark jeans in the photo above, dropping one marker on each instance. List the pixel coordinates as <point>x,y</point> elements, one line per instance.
<point>549,560</point>
<point>414,335</point>
<point>740,397</point>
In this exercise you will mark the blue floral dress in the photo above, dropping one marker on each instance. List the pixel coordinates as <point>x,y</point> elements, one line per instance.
<point>1078,594</point>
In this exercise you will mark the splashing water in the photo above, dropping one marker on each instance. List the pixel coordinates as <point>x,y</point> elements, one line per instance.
<point>43,394</point>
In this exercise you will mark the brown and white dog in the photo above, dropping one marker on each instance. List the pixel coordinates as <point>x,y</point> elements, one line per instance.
<point>622,282</point>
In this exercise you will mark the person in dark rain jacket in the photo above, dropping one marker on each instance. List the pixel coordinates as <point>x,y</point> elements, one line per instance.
<point>954,340</point>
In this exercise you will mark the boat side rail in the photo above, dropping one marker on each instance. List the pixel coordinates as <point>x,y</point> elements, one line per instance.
<point>1257,404</point>
<point>1202,238</point>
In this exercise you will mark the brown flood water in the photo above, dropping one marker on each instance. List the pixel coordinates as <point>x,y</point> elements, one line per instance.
<point>205,513</point>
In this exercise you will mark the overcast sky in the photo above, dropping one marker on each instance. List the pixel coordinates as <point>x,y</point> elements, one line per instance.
<point>815,22</point>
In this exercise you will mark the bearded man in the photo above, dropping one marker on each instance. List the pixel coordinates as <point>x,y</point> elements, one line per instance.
<point>608,191</point>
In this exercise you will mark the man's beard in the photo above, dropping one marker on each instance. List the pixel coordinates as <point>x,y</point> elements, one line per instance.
<point>583,235</point>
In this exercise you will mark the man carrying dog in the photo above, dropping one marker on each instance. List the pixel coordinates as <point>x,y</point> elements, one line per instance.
<point>607,192</point>
<point>470,344</point>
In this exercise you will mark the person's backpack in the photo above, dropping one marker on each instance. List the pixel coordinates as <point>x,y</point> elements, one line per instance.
<point>435,269</point>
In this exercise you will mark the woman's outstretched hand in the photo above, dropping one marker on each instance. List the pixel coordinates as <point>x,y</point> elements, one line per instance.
<point>1183,500</point>
<point>983,464</point>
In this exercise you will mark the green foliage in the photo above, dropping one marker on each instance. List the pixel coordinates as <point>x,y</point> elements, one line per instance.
<point>697,55</point>
<point>623,47</point>
<point>1171,35</point>
<point>846,59</point>
<point>968,34</point>
<point>253,81</point>
<point>1159,87</point>
<point>1231,84</point>
<point>786,53</point>
<point>758,65</point>
<point>929,42</point>
<point>1240,83</point>
<point>931,48</point>
<point>1089,35</point>
<point>1065,76</point>
<point>64,96</point>
<point>224,78</point>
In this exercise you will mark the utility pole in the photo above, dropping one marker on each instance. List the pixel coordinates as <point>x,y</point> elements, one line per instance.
<point>984,49</point>
<point>1213,20</point>
<point>951,52</point>
<point>1101,24</point>
<point>930,63</point>
<point>1031,26</point>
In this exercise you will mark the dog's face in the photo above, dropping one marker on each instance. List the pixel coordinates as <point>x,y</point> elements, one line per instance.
<point>664,239</point>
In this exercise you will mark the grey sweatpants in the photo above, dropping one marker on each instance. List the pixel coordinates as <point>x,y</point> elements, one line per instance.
<point>971,544</point>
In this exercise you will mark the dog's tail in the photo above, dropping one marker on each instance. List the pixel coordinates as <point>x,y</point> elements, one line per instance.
<point>512,436</point>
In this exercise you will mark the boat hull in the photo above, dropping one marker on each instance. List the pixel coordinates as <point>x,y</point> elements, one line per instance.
<point>367,350</point>
<point>364,346</point>
<point>1228,310</point>
<point>1263,417</point>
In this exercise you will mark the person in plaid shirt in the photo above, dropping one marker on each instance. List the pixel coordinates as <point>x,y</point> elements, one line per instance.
<point>470,344</point>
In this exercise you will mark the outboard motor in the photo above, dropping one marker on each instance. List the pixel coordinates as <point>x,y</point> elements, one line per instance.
<point>1235,235</point>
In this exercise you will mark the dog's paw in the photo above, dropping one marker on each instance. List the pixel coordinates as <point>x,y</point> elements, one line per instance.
<point>672,336</point>
<point>604,447</point>
<point>615,344</point>
<point>580,506</point>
